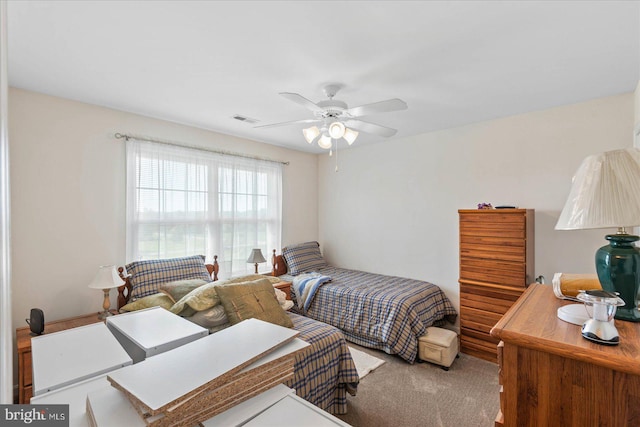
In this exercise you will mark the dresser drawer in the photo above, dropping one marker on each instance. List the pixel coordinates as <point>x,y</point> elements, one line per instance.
<point>492,265</point>
<point>484,325</point>
<point>491,219</point>
<point>503,242</point>
<point>484,304</point>
<point>492,252</point>
<point>26,368</point>
<point>489,292</point>
<point>497,231</point>
<point>474,225</point>
<point>498,272</point>
<point>479,346</point>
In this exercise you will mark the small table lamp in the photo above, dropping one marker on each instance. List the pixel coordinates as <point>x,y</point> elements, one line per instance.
<point>606,194</point>
<point>106,278</point>
<point>256,258</point>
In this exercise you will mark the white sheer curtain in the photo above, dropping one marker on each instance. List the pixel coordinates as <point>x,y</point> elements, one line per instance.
<point>183,201</point>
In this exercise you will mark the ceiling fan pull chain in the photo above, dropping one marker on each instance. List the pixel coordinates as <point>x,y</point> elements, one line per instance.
<point>336,155</point>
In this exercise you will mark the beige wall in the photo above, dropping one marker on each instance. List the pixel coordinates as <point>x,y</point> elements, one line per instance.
<point>68,196</point>
<point>392,207</point>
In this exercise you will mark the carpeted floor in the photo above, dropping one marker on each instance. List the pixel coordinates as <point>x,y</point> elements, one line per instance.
<point>402,395</point>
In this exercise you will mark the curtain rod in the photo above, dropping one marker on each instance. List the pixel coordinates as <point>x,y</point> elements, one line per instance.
<point>175,144</point>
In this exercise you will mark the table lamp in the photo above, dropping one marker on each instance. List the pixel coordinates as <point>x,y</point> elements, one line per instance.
<point>256,258</point>
<point>606,194</point>
<point>106,278</point>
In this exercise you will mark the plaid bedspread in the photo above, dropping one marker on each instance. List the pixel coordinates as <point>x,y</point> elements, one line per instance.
<point>324,374</point>
<point>383,312</point>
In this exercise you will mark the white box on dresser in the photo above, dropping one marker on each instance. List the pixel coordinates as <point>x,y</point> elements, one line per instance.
<point>152,331</point>
<point>67,357</point>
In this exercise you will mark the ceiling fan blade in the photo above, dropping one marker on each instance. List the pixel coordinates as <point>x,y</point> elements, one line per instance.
<point>299,99</point>
<point>394,104</point>
<point>295,122</point>
<point>371,128</point>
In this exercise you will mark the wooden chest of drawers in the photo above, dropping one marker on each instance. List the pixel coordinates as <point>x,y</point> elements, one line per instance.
<point>551,376</point>
<point>496,264</point>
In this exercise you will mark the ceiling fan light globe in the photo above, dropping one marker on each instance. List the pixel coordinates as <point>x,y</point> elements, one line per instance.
<point>325,142</point>
<point>350,135</point>
<point>311,133</point>
<point>336,130</point>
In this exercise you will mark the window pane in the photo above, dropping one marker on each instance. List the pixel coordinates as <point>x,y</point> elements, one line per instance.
<point>184,202</point>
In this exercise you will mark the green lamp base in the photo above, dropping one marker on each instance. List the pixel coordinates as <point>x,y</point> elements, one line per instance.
<point>618,268</point>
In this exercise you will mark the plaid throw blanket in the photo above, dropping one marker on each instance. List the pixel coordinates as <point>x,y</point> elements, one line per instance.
<point>305,287</point>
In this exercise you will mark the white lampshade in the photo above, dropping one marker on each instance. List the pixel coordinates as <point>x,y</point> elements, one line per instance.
<point>605,192</point>
<point>350,135</point>
<point>336,130</point>
<point>311,133</point>
<point>106,278</point>
<point>256,257</point>
<point>325,142</point>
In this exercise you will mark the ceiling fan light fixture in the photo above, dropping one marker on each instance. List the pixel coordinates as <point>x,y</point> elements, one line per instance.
<point>325,142</point>
<point>311,133</point>
<point>350,135</point>
<point>336,130</point>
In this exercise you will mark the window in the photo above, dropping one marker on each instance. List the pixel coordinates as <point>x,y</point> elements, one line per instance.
<point>183,201</point>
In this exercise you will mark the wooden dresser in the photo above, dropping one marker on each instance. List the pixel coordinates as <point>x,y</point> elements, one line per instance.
<point>551,376</point>
<point>496,264</point>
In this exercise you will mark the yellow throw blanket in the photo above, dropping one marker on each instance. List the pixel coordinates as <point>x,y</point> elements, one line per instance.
<point>567,286</point>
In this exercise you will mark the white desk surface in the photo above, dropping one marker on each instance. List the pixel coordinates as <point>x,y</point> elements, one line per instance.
<point>161,379</point>
<point>73,355</point>
<point>154,326</point>
<point>75,396</point>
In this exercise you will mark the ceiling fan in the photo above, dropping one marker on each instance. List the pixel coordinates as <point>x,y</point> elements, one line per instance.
<point>336,120</point>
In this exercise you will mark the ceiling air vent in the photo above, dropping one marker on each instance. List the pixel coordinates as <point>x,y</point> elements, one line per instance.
<point>245,119</point>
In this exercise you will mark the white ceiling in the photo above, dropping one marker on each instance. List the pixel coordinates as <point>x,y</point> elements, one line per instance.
<point>200,63</point>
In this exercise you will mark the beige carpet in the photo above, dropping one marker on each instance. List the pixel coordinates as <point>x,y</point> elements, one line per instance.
<point>398,394</point>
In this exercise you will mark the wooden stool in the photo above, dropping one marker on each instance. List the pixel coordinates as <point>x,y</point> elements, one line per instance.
<point>439,346</point>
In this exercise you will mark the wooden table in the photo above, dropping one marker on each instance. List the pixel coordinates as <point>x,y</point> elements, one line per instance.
<point>23,343</point>
<point>551,375</point>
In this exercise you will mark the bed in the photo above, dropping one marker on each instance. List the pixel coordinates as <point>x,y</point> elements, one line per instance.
<point>383,312</point>
<point>323,375</point>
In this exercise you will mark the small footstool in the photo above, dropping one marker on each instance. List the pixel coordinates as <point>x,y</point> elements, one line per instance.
<point>439,346</point>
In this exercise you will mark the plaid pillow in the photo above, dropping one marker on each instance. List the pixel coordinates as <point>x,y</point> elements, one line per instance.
<point>303,258</point>
<point>147,276</point>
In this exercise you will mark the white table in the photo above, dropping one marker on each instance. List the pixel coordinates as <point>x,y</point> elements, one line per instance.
<point>70,356</point>
<point>152,331</point>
